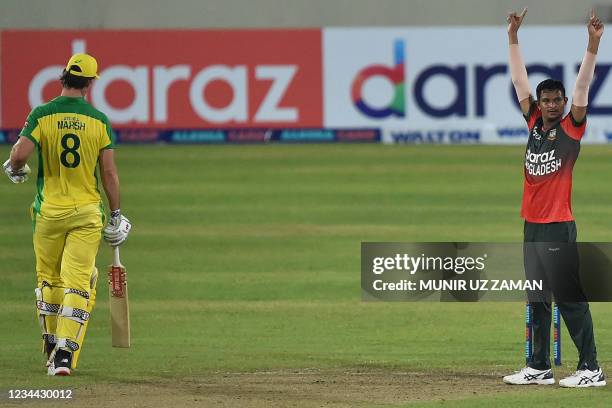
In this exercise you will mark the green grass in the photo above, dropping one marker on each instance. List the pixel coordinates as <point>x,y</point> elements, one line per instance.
<point>246,258</point>
<point>599,398</point>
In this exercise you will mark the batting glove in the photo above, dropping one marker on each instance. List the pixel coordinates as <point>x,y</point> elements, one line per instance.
<point>117,230</point>
<point>16,176</point>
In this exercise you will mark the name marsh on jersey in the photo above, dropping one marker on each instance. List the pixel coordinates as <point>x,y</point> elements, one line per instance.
<point>70,123</point>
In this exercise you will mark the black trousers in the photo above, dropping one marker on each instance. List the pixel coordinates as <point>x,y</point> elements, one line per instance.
<point>551,255</point>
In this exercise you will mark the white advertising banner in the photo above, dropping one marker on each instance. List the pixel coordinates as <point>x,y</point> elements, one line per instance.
<point>452,85</point>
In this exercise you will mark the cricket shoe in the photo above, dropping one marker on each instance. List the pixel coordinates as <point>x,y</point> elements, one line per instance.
<point>529,376</point>
<point>584,378</point>
<point>62,362</point>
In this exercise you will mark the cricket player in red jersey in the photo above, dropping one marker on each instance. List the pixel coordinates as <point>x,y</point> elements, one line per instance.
<point>552,150</point>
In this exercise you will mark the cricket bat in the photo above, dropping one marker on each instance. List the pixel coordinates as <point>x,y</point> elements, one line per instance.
<point>118,301</point>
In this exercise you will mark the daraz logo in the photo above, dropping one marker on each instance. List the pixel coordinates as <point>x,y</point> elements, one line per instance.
<point>394,74</point>
<point>466,96</point>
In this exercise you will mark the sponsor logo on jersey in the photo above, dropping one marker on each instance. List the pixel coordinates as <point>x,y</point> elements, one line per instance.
<point>536,134</point>
<point>541,164</point>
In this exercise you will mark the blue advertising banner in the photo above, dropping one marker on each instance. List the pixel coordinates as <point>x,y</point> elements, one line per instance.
<point>244,136</point>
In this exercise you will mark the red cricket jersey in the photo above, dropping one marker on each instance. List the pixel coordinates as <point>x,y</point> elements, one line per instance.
<point>549,161</point>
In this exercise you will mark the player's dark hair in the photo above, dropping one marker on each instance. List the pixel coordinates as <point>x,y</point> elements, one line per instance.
<point>73,81</point>
<point>550,85</point>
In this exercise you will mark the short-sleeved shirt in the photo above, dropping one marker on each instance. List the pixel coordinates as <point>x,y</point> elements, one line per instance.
<point>549,162</point>
<point>69,134</point>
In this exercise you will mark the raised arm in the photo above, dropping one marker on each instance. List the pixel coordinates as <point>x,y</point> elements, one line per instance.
<point>580,97</point>
<point>518,72</point>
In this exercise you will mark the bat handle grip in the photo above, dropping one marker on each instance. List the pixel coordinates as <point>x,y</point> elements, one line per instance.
<point>116,259</point>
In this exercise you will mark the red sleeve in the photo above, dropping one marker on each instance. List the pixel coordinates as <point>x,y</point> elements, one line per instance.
<point>533,115</point>
<point>574,129</point>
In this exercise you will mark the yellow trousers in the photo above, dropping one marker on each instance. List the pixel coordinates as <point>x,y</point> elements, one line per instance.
<point>66,244</point>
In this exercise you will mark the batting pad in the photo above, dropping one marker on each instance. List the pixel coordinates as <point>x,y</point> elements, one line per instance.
<point>48,301</point>
<point>92,301</point>
<point>72,316</point>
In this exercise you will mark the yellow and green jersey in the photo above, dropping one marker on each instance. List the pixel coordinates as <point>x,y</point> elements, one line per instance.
<point>69,134</point>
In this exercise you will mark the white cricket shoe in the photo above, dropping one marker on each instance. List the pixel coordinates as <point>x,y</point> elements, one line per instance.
<point>584,378</point>
<point>530,375</point>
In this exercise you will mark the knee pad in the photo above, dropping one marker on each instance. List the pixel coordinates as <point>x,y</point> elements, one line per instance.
<point>92,301</point>
<point>72,317</point>
<point>48,301</point>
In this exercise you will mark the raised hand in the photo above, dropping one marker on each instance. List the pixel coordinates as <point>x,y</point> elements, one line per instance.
<point>515,20</point>
<point>595,26</point>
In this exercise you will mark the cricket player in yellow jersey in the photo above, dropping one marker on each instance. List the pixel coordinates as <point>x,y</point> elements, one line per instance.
<point>71,138</point>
